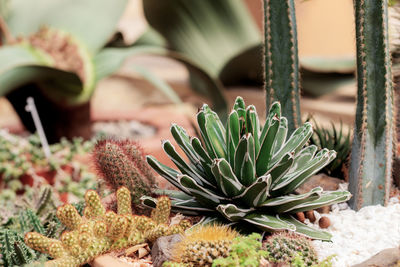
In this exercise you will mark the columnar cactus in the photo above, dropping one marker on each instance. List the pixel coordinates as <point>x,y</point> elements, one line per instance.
<point>282,78</point>
<point>372,151</point>
<point>100,231</point>
<point>13,250</point>
<point>122,163</point>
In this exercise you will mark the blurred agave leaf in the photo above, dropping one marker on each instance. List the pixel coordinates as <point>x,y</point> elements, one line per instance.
<point>158,83</point>
<point>110,59</point>
<point>321,76</point>
<point>219,36</point>
<point>90,21</point>
<point>22,64</point>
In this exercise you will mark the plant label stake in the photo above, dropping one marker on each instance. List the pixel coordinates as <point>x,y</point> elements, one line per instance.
<point>30,107</point>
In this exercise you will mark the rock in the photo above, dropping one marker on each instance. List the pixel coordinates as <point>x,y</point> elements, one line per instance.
<point>300,216</point>
<point>326,182</point>
<point>162,249</point>
<point>324,209</point>
<point>310,215</point>
<point>324,222</point>
<point>386,258</point>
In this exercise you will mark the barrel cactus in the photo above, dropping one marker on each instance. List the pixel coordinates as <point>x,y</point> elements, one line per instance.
<point>246,173</point>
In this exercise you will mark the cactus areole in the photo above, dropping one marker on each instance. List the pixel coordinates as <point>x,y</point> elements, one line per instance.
<point>244,173</point>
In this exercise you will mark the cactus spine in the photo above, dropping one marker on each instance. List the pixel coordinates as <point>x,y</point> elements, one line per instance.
<point>282,78</point>
<point>372,150</point>
<point>122,163</point>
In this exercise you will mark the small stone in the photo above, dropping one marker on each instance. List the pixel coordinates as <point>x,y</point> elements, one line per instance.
<point>310,215</point>
<point>300,216</point>
<point>162,249</point>
<point>324,222</point>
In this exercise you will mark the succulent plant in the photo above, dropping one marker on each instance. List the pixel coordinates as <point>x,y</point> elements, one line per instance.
<point>13,250</point>
<point>370,174</point>
<point>337,140</point>
<point>285,247</point>
<point>99,231</point>
<point>203,244</point>
<point>246,173</point>
<point>122,163</point>
<point>246,251</point>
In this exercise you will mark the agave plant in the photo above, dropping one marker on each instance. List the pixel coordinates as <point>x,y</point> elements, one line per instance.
<point>246,173</point>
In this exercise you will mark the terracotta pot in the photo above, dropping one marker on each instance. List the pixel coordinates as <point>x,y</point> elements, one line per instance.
<point>107,261</point>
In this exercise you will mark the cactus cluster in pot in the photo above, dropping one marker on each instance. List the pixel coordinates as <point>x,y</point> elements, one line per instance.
<point>246,173</point>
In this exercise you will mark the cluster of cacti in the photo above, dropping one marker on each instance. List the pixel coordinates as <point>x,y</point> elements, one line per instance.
<point>23,157</point>
<point>122,163</point>
<point>203,244</point>
<point>285,247</point>
<point>100,231</point>
<point>336,139</point>
<point>247,173</point>
<point>282,78</point>
<point>246,251</point>
<point>370,173</point>
<point>13,251</point>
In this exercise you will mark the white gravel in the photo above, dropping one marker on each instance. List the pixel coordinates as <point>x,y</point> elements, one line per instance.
<point>357,236</point>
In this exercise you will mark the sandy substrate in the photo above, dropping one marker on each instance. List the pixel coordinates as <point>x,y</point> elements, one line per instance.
<point>357,236</point>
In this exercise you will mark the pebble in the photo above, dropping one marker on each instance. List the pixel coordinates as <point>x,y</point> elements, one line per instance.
<point>357,236</point>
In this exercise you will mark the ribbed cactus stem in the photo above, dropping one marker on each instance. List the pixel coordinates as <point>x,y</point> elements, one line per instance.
<point>371,158</point>
<point>282,78</point>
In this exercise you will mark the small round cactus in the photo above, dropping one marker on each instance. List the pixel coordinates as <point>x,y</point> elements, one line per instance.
<point>203,244</point>
<point>283,248</point>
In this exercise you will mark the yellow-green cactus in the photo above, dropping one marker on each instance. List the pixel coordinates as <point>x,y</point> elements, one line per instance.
<point>161,213</point>
<point>204,244</point>
<point>100,231</point>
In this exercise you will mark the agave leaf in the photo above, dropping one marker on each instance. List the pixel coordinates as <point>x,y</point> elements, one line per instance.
<point>288,199</point>
<point>173,194</point>
<point>269,223</point>
<point>205,160</point>
<point>183,166</point>
<point>183,140</point>
<point>305,230</point>
<point>257,193</point>
<point>268,136</point>
<point>232,135</point>
<point>168,173</point>
<point>158,83</point>
<point>210,32</point>
<point>274,113</point>
<point>93,30</point>
<point>247,170</point>
<point>304,156</point>
<point>326,199</point>
<point>22,64</point>
<point>281,168</point>
<point>253,127</point>
<point>232,212</point>
<point>245,149</point>
<point>240,108</point>
<point>296,141</point>
<point>187,207</point>
<point>280,137</point>
<point>204,196</point>
<point>293,180</point>
<point>215,132</point>
<point>226,180</point>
